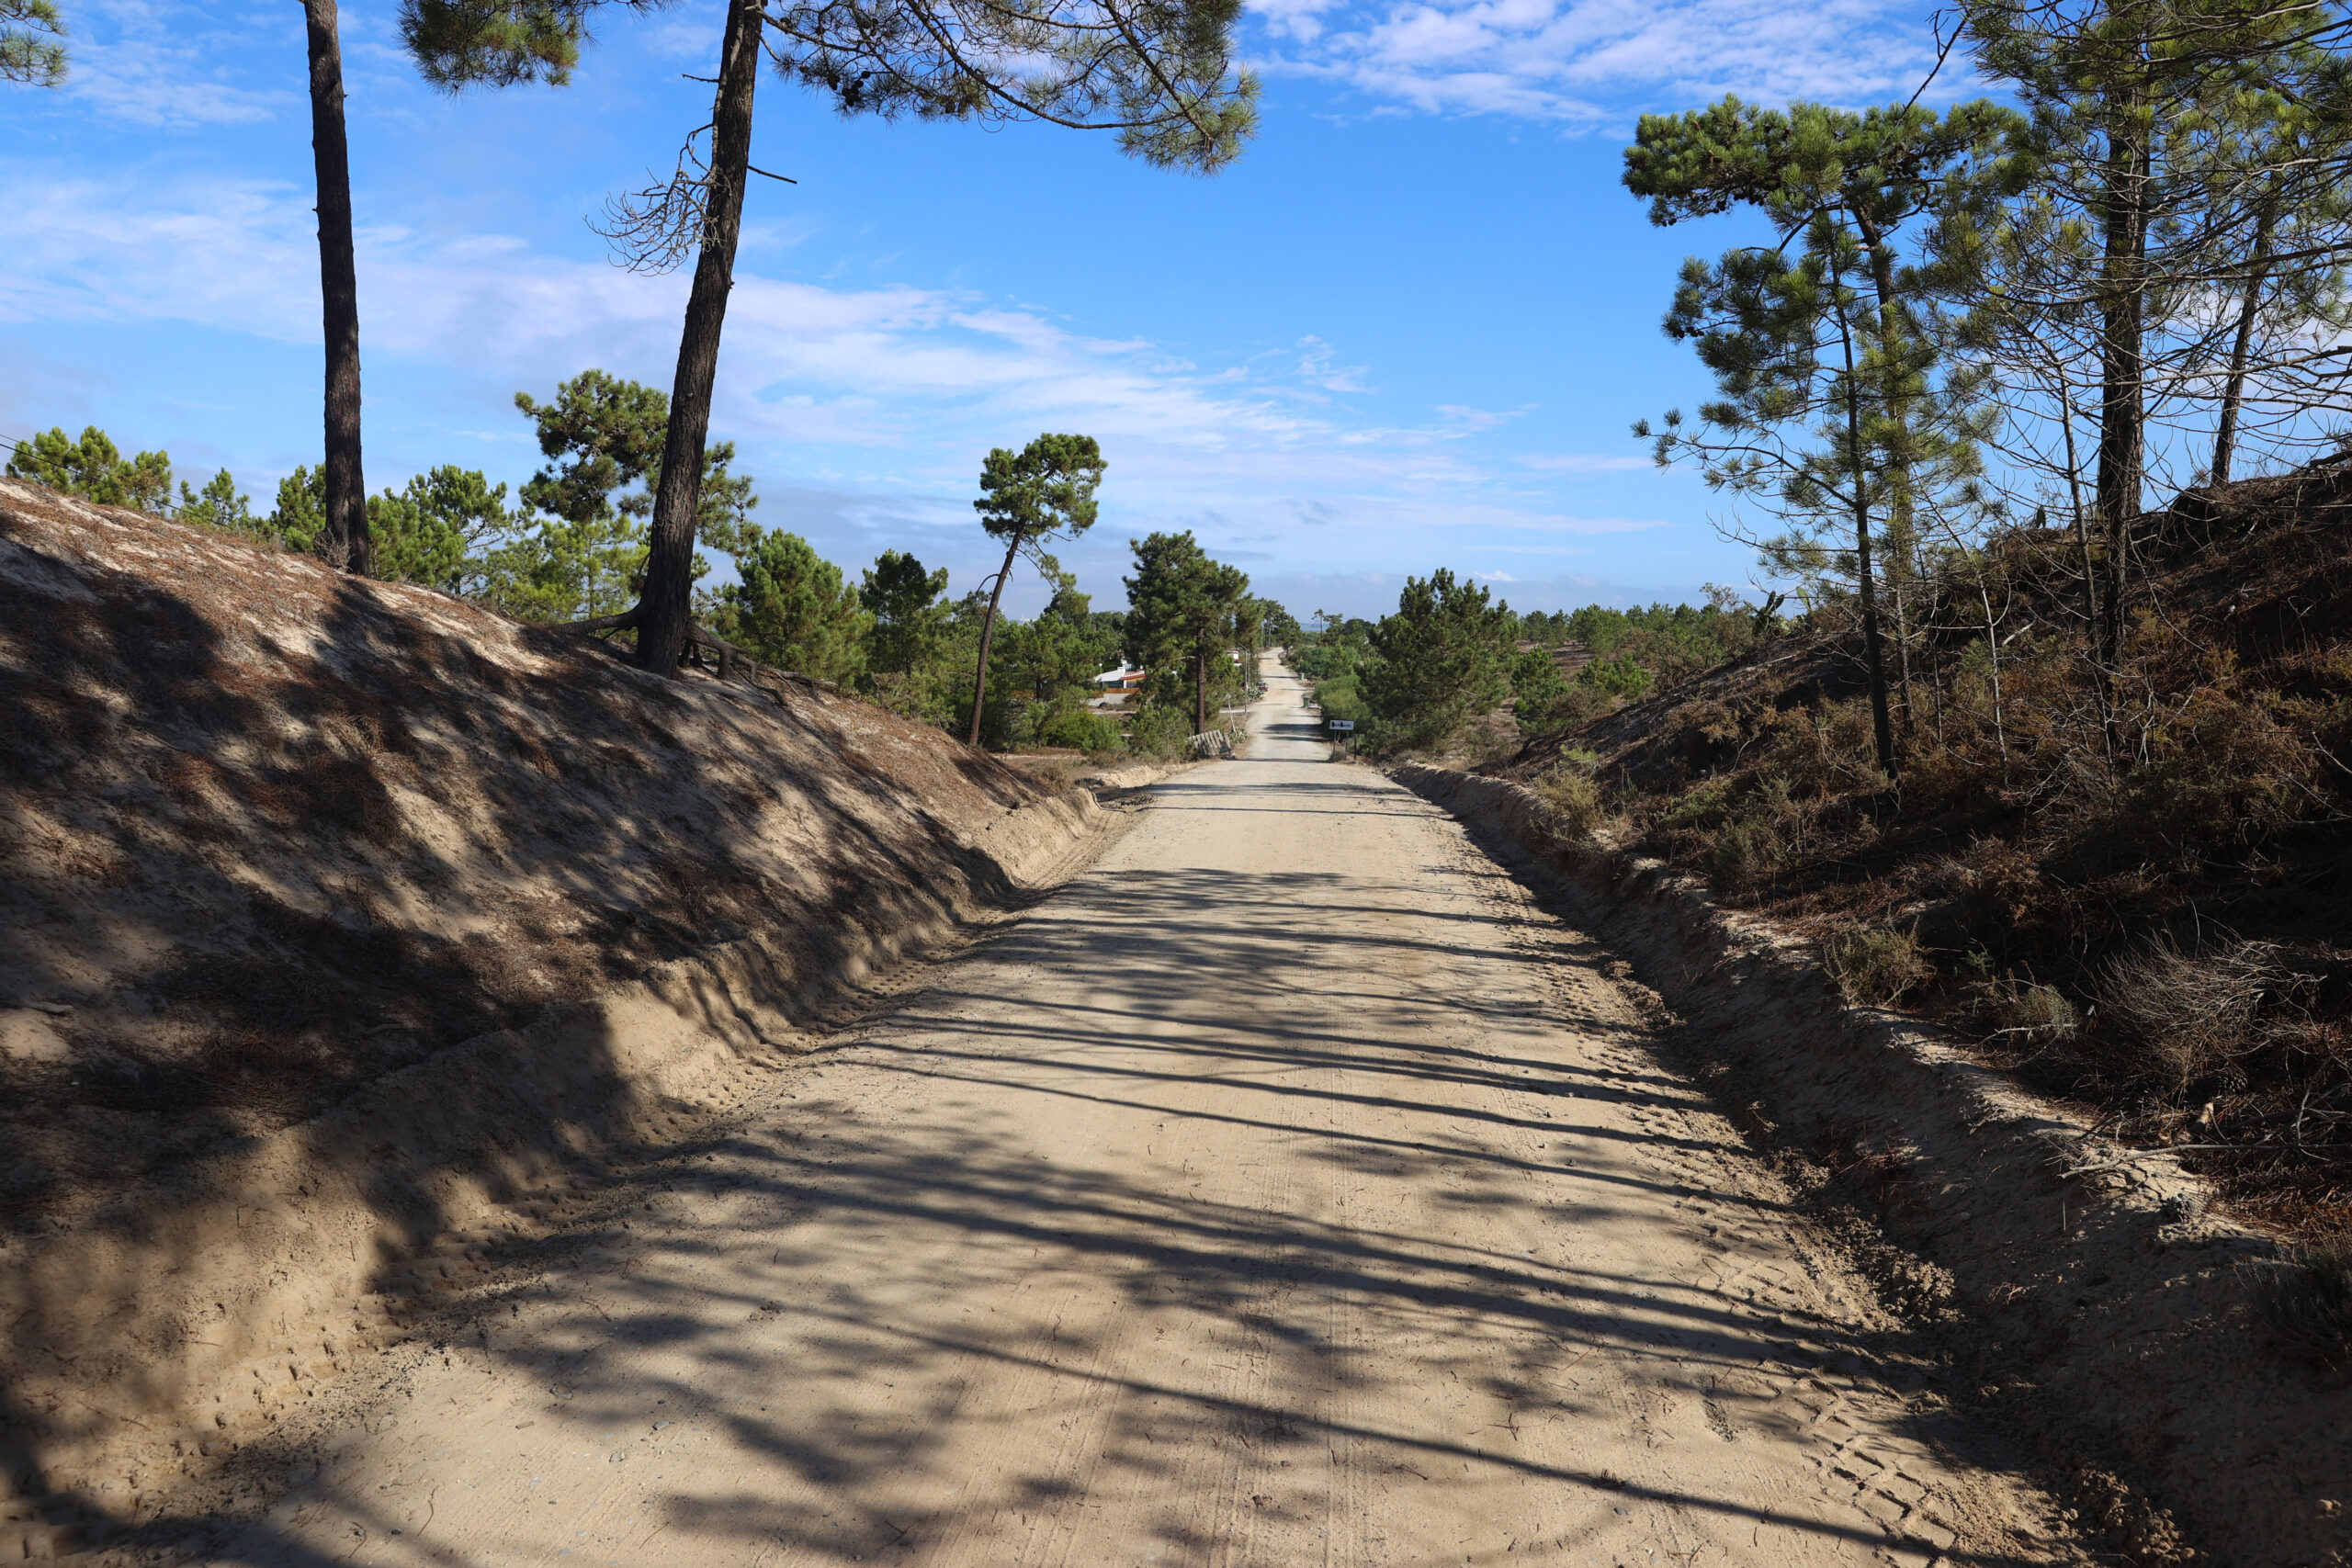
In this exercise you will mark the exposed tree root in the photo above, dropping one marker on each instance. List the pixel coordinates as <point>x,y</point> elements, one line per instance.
<point>726,658</point>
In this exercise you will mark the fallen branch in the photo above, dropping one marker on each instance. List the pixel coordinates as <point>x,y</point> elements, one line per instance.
<point>2118,1163</point>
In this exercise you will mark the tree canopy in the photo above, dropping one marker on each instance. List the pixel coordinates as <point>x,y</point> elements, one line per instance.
<point>32,43</point>
<point>793,609</point>
<point>1182,608</point>
<point>909,619</point>
<point>1830,408</point>
<point>94,468</point>
<point>1045,492</point>
<point>1443,658</point>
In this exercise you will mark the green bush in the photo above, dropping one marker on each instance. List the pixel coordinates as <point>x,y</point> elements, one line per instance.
<point>1340,697</point>
<point>1618,677</point>
<point>1160,733</point>
<point>1076,727</point>
<point>1747,850</point>
<point>2027,1012</point>
<point>1753,842</point>
<point>1442,659</point>
<point>1703,805</point>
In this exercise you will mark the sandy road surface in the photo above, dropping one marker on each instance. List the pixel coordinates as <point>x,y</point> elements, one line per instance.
<point>1286,1190</point>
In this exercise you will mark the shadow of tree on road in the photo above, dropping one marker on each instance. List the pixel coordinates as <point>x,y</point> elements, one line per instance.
<point>788,1302</point>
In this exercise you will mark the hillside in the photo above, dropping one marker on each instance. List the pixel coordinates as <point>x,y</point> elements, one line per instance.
<point>2145,915</point>
<point>343,910</point>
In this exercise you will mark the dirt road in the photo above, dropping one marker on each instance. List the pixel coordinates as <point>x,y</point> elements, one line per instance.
<point>1288,1188</point>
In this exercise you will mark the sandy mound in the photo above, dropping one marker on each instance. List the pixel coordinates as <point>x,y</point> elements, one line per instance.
<point>342,908</point>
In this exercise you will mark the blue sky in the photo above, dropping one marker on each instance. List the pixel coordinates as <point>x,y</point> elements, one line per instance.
<point>1407,330</point>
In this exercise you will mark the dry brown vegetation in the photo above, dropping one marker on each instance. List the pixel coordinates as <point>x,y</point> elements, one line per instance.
<point>2134,899</point>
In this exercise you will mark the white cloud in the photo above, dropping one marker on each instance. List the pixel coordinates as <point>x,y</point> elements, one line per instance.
<point>1580,462</point>
<point>1316,367</point>
<point>890,394</point>
<point>169,67</point>
<point>1588,63</point>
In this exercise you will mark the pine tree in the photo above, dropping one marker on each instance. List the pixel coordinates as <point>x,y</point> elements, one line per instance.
<point>342,537</point>
<point>410,544</point>
<point>1181,610</point>
<point>1042,492</point>
<point>430,531</point>
<point>219,505</point>
<point>1829,410</point>
<point>1164,78</point>
<point>585,559</point>
<point>302,509</point>
<point>602,435</point>
<point>909,619</point>
<point>32,48</point>
<point>793,609</point>
<point>2172,139</point>
<point>1441,659</point>
<point>1056,657</point>
<point>94,468</point>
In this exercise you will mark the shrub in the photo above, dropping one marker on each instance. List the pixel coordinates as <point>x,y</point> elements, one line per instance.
<point>1570,799</point>
<point>1747,850</point>
<point>1877,966</point>
<point>1340,697</point>
<point>1703,805</point>
<point>1076,727</point>
<point>2181,1017</point>
<point>1440,661</point>
<point>1160,733</point>
<point>2307,1302</point>
<point>1617,678</point>
<point>1753,842</point>
<point>1574,708</point>
<point>1824,749</point>
<point>1059,771</point>
<point>1708,733</point>
<point>2025,1014</point>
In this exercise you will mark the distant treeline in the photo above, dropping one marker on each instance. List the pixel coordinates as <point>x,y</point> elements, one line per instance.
<point>1452,655</point>
<point>572,545</point>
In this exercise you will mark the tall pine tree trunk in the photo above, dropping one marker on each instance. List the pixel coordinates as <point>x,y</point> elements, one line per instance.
<point>1895,537</point>
<point>663,616</point>
<point>2234,390</point>
<point>2123,425</point>
<point>1865,576</point>
<point>344,541</point>
<point>988,635</point>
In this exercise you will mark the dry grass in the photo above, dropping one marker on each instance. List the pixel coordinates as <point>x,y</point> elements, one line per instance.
<point>1059,769</point>
<point>2051,869</point>
<point>1878,967</point>
<point>2307,1303</point>
<point>2179,1017</point>
<point>2024,1013</point>
<point>1571,799</point>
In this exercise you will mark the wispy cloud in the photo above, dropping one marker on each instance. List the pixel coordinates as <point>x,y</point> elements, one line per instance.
<point>1580,462</point>
<point>871,402</point>
<point>151,64</point>
<point>1589,63</point>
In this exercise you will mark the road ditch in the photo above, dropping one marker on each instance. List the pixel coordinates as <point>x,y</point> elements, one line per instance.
<point>2104,1310</point>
